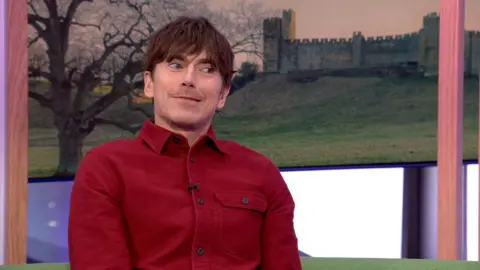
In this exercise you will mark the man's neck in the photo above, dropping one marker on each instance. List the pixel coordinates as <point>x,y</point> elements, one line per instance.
<point>192,134</point>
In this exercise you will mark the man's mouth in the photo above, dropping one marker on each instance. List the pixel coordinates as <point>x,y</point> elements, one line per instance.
<point>188,98</point>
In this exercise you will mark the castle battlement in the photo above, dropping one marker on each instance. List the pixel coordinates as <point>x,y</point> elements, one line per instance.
<point>409,35</point>
<point>406,36</point>
<point>272,23</point>
<point>283,52</point>
<point>273,19</point>
<point>475,33</point>
<point>320,41</point>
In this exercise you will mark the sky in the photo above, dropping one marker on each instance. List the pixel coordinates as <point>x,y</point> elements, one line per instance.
<point>340,18</point>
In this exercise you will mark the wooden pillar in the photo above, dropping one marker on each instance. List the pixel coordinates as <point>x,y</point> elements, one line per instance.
<point>13,131</point>
<point>450,130</point>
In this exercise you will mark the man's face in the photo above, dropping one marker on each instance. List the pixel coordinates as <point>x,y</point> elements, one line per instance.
<point>186,90</point>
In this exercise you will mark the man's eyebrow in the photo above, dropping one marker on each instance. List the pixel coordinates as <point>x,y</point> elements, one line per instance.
<point>182,58</point>
<point>206,61</point>
<point>176,57</point>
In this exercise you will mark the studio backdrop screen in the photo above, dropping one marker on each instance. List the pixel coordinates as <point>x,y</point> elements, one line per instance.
<point>326,82</point>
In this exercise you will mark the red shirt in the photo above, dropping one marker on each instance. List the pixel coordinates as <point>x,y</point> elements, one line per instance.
<point>154,203</point>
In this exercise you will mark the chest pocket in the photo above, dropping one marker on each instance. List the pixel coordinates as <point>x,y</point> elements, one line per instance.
<point>241,218</point>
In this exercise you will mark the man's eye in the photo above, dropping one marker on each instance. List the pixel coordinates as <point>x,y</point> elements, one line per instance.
<point>174,65</point>
<point>208,70</point>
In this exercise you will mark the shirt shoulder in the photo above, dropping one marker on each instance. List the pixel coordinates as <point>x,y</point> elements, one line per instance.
<point>115,154</point>
<point>245,155</point>
<point>112,161</point>
<point>116,148</point>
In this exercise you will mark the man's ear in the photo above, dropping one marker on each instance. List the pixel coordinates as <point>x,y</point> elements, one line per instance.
<point>223,97</point>
<point>148,84</point>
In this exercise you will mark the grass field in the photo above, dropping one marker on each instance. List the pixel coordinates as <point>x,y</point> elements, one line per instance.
<point>334,120</point>
<point>344,120</point>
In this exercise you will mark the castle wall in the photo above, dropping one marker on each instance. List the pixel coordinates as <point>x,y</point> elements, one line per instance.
<point>475,53</point>
<point>468,51</point>
<point>390,49</point>
<point>309,54</point>
<point>283,53</point>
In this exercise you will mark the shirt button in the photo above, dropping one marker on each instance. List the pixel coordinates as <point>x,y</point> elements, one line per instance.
<point>192,160</point>
<point>245,201</point>
<point>200,201</point>
<point>200,251</point>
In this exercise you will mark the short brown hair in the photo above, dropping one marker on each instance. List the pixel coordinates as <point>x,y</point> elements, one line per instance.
<point>190,36</point>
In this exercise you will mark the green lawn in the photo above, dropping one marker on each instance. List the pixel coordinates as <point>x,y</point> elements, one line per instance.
<point>334,120</point>
<point>344,120</point>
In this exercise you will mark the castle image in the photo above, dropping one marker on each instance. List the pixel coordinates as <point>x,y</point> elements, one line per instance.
<point>284,53</point>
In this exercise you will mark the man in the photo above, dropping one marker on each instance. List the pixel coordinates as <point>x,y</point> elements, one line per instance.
<point>176,197</point>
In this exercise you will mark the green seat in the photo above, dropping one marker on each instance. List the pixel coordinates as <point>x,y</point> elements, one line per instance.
<point>385,264</point>
<point>36,266</point>
<point>325,264</point>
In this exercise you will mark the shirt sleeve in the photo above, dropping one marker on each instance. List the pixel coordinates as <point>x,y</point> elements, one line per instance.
<point>96,230</point>
<point>279,241</point>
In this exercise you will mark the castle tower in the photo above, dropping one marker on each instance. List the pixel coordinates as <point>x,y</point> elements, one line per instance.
<point>474,54</point>
<point>358,49</point>
<point>289,24</point>
<point>468,36</point>
<point>272,44</point>
<point>429,44</point>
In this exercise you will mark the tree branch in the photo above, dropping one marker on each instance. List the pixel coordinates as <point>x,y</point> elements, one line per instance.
<point>97,26</point>
<point>71,10</point>
<point>35,21</point>
<point>41,99</point>
<point>37,72</point>
<point>32,41</point>
<point>120,88</point>
<point>126,40</point>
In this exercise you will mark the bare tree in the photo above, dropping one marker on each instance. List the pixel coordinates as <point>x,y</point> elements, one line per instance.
<point>75,46</point>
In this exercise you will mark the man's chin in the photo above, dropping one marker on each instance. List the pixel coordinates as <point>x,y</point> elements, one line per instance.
<point>188,123</point>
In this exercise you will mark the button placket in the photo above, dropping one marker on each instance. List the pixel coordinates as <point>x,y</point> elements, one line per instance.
<point>202,226</point>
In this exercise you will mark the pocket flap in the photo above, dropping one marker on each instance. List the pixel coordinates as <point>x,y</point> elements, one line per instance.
<point>245,200</point>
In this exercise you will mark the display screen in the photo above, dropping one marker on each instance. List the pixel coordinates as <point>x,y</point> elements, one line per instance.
<point>318,83</point>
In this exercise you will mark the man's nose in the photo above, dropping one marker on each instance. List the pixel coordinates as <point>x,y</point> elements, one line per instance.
<point>189,78</point>
<point>188,83</point>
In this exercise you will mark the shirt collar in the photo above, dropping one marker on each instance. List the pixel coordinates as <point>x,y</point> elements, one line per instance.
<point>156,137</point>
